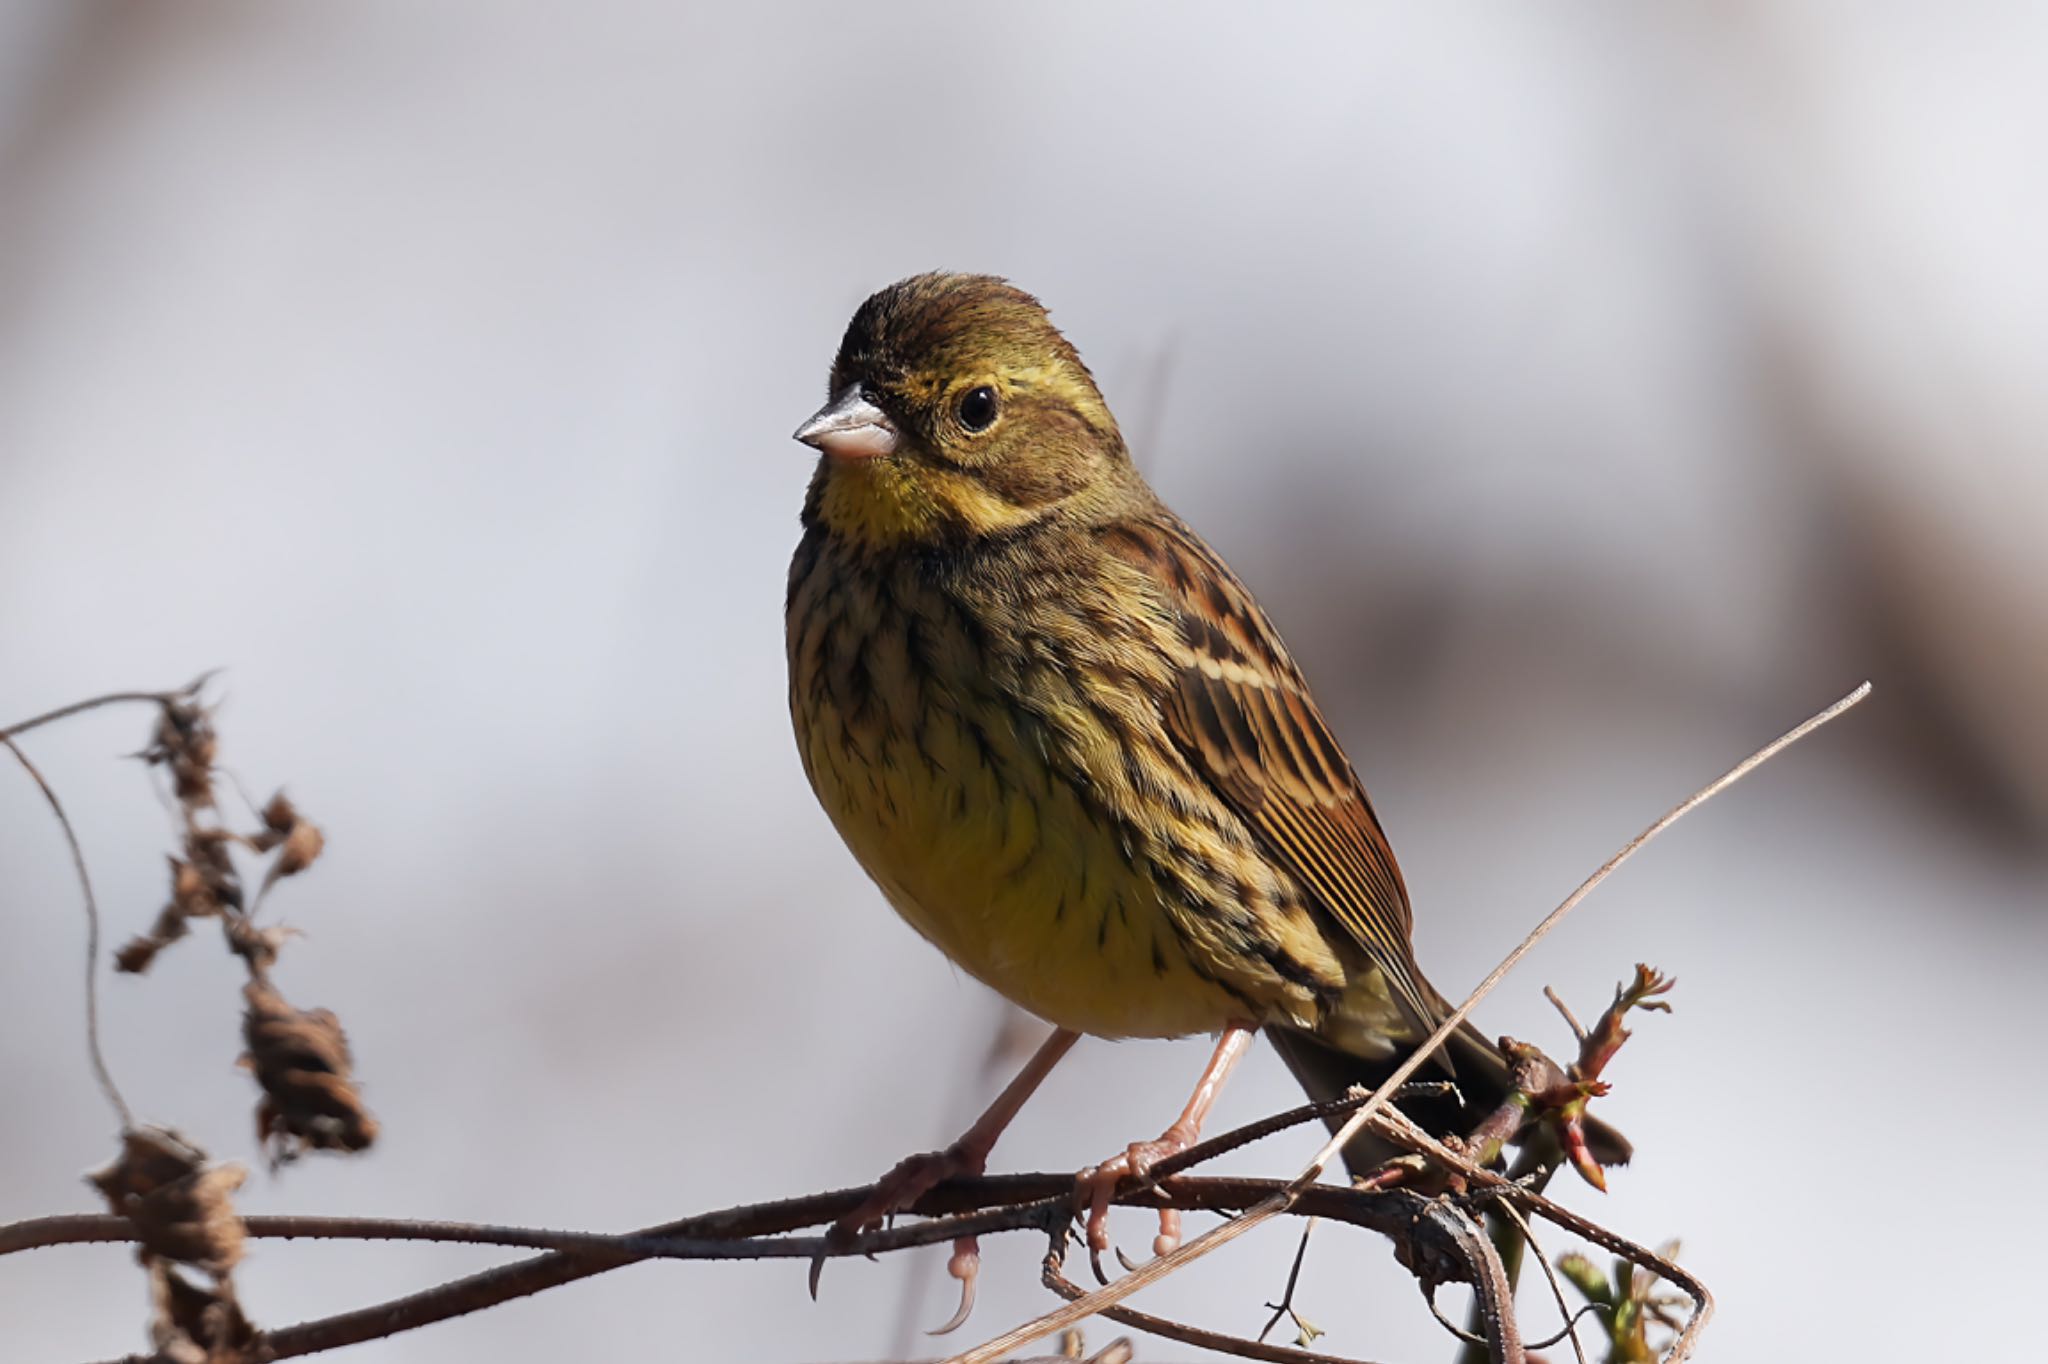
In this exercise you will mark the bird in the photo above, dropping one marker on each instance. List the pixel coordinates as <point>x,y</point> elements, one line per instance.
<point>1071,749</point>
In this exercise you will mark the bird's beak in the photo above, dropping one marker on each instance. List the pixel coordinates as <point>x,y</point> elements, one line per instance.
<point>850,427</point>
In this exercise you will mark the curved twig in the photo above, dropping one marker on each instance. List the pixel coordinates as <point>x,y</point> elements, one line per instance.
<point>112,698</point>
<point>101,1073</point>
<point>1570,1329</point>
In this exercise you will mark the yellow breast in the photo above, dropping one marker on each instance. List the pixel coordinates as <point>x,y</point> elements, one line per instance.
<point>1007,874</point>
<point>961,802</point>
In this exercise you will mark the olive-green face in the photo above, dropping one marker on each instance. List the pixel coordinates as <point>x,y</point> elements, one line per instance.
<point>973,373</point>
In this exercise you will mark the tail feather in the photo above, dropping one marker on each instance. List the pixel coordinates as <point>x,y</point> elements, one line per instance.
<point>1474,1065</point>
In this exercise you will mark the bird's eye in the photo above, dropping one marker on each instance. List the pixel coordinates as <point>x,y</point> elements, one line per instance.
<point>978,408</point>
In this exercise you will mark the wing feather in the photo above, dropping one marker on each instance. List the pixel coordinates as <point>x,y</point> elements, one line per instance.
<point>1243,718</point>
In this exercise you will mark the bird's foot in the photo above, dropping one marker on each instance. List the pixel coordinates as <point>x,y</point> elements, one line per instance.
<point>911,1179</point>
<point>1096,1185</point>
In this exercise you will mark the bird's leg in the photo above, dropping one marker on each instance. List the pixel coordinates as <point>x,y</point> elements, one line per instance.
<point>1097,1184</point>
<point>916,1176</point>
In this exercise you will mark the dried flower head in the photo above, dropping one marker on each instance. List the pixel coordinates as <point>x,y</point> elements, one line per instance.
<point>179,1204</point>
<point>186,743</point>
<point>200,1324</point>
<point>298,838</point>
<point>300,1057</point>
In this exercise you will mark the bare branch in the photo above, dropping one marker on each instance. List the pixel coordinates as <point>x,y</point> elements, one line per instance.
<point>1571,1020</point>
<point>1042,1202</point>
<point>1285,1307</point>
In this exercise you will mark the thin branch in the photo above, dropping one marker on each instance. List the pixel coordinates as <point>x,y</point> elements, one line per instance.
<point>1571,1020</point>
<point>1285,1307</point>
<point>1570,1326</point>
<point>1194,1335</point>
<point>1216,1238</point>
<point>1207,1150</point>
<point>1041,1202</point>
<point>1358,1120</point>
<point>112,698</point>
<point>101,1073</point>
<point>490,1287</point>
<point>758,1231</point>
<point>1564,1308</point>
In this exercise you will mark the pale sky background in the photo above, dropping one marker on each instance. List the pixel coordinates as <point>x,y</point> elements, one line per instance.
<point>1589,392</point>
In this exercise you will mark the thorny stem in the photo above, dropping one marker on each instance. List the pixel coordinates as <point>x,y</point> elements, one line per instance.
<point>92,934</point>
<point>1005,1203</point>
<point>1217,1237</point>
<point>1029,1198</point>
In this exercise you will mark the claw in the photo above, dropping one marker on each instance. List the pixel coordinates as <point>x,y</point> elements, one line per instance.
<point>909,1181</point>
<point>1165,1243</point>
<point>1097,1184</point>
<point>966,1267</point>
<point>1168,1239</point>
<point>1102,1186</point>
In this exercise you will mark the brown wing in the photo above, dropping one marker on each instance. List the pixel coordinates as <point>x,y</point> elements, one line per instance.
<point>1242,715</point>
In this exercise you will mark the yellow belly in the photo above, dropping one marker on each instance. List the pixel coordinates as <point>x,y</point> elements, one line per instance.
<point>1010,875</point>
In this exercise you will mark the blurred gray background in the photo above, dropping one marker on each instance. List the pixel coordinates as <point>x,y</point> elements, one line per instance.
<point>1589,391</point>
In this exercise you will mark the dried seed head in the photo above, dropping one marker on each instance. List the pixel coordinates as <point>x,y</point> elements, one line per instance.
<point>257,946</point>
<point>204,884</point>
<point>301,846</point>
<point>300,1057</point>
<point>279,815</point>
<point>138,952</point>
<point>207,851</point>
<point>284,827</point>
<point>179,1205</point>
<point>196,1324</point>
<point>186,743</point>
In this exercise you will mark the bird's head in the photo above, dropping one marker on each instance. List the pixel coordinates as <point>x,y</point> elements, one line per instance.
<point>957,411</point>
